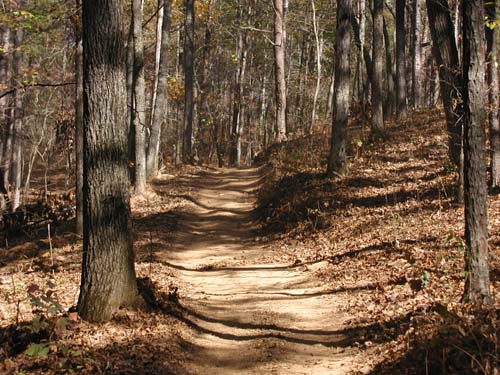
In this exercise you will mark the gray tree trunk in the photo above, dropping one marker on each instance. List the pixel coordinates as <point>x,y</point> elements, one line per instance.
<point>79,132</point>
<point>160,110</point>
<point>139,113</point>
<point>417,69</point>
<point>389,81</point>
<point>493,95</point>
<point>401,106</point>
<point>187,151</point>
<point>108,276</point>
<point>337,160</point>
<point>4,112</point>
<point>378,69</point>
<point>477,282</point>
<point>17,61</point>
<point>279,70</point>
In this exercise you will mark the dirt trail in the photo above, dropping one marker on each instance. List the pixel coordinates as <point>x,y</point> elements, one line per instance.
<point>249,316</point>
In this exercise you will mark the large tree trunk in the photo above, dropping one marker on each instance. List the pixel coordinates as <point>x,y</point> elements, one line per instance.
<point>378,69</point>
<point>493,94</point>
<point>160,109</point>
<point>139,113</point>
<point>401,107</point>
<point>279,70</point>
<point>108,276</point>
<point>187,151</point>
<point>337,160</point>
<point>446,55</point>
<point>477,282</point>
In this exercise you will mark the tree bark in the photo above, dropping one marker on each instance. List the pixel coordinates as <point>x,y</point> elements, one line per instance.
<point>4,112</point>
<point>378,69</point>
<point>130,100</point>
<point>159,26</point>
<point>446,55</point>
<point>279,70</point>
<point>79,129</point>
<point>477,282</point>
<point>139,113</point>
<point>389,82</point>
<point>108,276</point>
<point>401,107</point>
<point>319,52</point>
<point>493,94</point>
<point>187,151</point>
<point>337,160</point>
<point>17,61</point>
<point>416,74</point>
<point>237,115</point>
<point>160,109</point>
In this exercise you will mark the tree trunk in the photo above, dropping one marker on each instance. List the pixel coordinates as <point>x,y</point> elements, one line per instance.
<point>446,55</point>
<point>401,107</point>
<point>159,27</point>
<point>319,48</point>
<point>493,94</point>
<point>79,131</point>
<point>279,70</point>
<point>108,276</point>
<point>389,82</point>
<point>160,109</point>
<point>17,61</point>
<point>130,100</point>
<point>337,160</point>
<point>4,112</point>
<point>477,282</point>
<point>139,113</point>
<point>416,73</point>
<point>378,69</point>
<point>187,151</point>
<point>237,116</point>
<point>204,116</point>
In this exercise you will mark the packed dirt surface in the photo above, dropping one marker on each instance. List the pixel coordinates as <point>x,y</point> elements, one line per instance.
<point>249,316</point>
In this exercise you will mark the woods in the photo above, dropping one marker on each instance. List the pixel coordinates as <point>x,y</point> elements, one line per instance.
<point>186,134</point>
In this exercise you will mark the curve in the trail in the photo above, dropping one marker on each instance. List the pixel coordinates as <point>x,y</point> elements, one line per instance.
<point>249,316</point>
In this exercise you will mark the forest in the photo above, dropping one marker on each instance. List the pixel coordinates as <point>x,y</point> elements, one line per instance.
<point>249,187</point>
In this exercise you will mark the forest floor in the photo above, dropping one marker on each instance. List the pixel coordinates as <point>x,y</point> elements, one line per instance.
<point>272,270</point>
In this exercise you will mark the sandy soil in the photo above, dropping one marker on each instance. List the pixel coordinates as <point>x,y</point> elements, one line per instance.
<point>248,316</point>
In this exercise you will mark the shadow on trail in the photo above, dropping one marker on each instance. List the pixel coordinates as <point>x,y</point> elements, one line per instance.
<point>353,336</point>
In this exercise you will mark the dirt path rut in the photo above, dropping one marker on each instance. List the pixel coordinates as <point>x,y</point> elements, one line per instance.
<point>250,316</point>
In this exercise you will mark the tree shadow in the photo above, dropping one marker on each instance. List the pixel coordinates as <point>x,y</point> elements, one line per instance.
<point>453,346</point>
